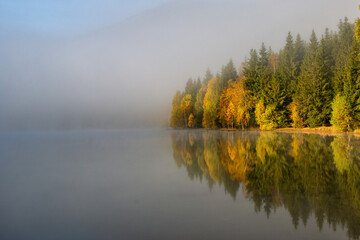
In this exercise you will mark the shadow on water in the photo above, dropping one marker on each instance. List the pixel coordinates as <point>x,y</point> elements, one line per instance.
<point>306,174</point>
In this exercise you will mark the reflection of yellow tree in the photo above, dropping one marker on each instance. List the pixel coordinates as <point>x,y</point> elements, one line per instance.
<point>212,157</point>
<point>235,156</point>
<point>342,152</point>
<point>266,146</point>
<point>297,139</point>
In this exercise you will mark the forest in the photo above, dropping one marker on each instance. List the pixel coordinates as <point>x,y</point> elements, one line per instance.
<point>306,84</point>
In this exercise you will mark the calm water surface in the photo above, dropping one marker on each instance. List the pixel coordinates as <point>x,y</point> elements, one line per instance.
<point>166,184</point>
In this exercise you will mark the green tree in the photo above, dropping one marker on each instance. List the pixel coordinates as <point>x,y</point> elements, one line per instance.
<point>352,82</point>
<point>314,91</point>
<point>287,65</point>
<point>176,119</point>
<point>343,41</point>
<point>299,53</point>
<point>198,106</point>
<point>185,106</point>
<point>341,114</point>
<point>211,102</point>
<point>208,76</point>
<point>228,73</point>
<point>251,72</point>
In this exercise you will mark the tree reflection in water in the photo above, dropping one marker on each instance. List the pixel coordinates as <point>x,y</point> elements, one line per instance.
<point>307,174</point>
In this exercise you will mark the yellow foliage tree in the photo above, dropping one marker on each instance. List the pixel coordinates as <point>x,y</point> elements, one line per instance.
<point>297,121</point>
<point>230,114</point>
<point>176,119</point>
<point>191,122</point>
<point>259,113</point>
<point>211,101</point>
<point>238,97</point>
<point>185,107</point>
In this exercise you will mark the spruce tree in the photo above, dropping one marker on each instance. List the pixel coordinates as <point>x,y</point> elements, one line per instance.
<point>352,83</point>
<point>342,49</point>
<point>287,65</point>
<point>299,53</point>
<point>314,92</point>
<point>251,72</point>
<point>228,73</point>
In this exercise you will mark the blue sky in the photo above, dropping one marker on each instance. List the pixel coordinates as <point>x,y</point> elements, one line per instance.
<point>67,17</point>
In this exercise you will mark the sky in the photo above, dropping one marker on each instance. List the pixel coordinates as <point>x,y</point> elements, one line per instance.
<point>112,64</point>
<point>67,17</point>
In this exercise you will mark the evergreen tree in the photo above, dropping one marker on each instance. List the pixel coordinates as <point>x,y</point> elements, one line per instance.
<point>342,49</point>
<point>314,92</point>
<point>208,76</point>
<point>352,82</point>
<point>251,72</point>
<point>287,65</point>
<point>276,95</point>
<point>198,106</point>
<point>192,87</point>
<point>228,73</point>
<point>299,53</point>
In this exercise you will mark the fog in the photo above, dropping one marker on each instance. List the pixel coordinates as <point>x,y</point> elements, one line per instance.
<point>124,73</point>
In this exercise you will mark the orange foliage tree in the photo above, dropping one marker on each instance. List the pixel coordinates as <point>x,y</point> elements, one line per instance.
<point>235,105</point>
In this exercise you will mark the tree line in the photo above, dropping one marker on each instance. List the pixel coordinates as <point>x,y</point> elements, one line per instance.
<point>305,84</point>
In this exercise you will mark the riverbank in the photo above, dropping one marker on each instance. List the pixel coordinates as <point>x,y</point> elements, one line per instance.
<point>319,130</point>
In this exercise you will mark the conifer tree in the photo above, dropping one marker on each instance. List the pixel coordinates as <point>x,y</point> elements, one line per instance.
<point>287,65</point>
<point>314,92</point>
<point>352,82</point>
<point>251,73</point>
<point>228,73</point>
<point>299,53</point>
<point>343,42</point>
<point>198,106</point>
<point>208,76</point>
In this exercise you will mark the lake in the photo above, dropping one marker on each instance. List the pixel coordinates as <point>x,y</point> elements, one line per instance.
<point>178,184</point>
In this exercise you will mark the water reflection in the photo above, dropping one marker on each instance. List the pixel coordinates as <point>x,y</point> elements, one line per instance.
<point>306,174</point>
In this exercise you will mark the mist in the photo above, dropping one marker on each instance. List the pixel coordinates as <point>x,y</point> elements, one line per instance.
<point>124,73</point>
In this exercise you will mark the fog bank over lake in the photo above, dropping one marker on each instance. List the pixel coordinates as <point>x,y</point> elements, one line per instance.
<point>124,72</point>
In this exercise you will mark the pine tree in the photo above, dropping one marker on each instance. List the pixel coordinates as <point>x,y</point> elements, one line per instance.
<point>251,73</point>
<point>314,92</point>
<point>342,49</point>
<point>198,106</point>
<point>228,73</point>
<point>208,76</point>
<point>275,94</point>
<point>299,53</point>
<point>352,82</point>
<point>287,65</point>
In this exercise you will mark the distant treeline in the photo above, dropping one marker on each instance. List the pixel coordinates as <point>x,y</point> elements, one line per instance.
<point>305,84</point>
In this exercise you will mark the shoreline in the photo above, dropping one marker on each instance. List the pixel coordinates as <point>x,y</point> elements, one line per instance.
<point>331,131</point>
